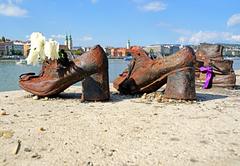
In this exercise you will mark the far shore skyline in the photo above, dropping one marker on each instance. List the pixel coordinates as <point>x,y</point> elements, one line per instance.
<point>62,42</point>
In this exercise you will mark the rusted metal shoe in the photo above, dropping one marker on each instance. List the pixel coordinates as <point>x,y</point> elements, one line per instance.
<point>207,51</point>
<point>146,75</point>
<point>91,68</point>
<point>223,73</point>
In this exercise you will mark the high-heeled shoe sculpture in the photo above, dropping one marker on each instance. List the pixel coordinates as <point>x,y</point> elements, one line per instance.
<point>91,68</point>
<point>146,75</point>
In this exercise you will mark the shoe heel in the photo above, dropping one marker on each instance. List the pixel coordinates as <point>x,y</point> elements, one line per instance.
<point>96,86</point>
<point>181,84</point>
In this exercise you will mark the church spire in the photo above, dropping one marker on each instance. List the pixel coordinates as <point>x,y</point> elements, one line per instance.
<point>66,40</point>
<point>70,43</point>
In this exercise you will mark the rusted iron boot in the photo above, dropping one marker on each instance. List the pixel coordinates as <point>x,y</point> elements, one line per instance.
<point>91,67</point>
<point>146,75</point>
<point>210,55</point>
<point>222,74</point>
<point>206,51</point>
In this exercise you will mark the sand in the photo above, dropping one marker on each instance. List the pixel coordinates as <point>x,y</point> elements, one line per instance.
<point>124,131</point>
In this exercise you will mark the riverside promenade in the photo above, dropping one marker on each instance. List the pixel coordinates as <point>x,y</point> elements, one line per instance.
<point>124,131</point>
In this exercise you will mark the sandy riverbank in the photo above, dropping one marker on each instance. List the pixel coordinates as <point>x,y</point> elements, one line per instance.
<point>124,131</point>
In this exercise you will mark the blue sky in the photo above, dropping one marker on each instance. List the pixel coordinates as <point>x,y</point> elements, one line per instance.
<point>113,22</point>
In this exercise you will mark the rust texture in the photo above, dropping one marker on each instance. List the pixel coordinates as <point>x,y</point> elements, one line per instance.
<point>145,75</point>
<point>92,67</point>
<point>211,55</point>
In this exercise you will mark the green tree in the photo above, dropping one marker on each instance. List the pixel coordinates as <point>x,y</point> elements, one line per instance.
<point>77,52</point>
<point>3,39</point>
<point>13,52</point>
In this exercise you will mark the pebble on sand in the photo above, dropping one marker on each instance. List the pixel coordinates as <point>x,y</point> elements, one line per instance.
<point>6,134</point>
<point>3,113</point>
<point>35,98</point>
<point>42,129</point>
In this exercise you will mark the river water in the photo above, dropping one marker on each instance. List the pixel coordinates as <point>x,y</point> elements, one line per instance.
<point>10,71</point>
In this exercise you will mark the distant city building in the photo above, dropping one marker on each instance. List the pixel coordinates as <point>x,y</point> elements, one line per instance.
<point>121,52</point>
<point>86,49</point>
<point>161,50</point>
<point>18,47</point>
<point>108,50</point>
<point>154,50</point>
<point>6,48</point>
<point>2,49</point>
<point>231,50</point>
<point>9,49</point>
<point>68,42</point>
<point>26,48</point>
<point>63,47</point>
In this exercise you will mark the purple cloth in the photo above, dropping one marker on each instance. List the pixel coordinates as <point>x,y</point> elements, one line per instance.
<point>209,75</point>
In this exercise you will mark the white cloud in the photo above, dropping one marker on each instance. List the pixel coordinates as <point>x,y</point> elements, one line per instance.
<point>86,38</point>
<point>12,10</point>
<point>234,20</point>
<point>182,31</point>
<point>202,37</point>
<point>235,37</point>
<point>58,36</point>
<point>207,36</point>
<point>172,28</point>
<point>154,6</point>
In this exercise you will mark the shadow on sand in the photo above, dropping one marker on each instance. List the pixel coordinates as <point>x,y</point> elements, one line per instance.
<point>66,96</point>
<point>115,97</point>
<point>208,97</point>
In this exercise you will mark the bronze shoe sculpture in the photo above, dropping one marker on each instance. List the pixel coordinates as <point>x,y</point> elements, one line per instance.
<point>91,68</point>
<point>210,55</point>
<point>146,75</point>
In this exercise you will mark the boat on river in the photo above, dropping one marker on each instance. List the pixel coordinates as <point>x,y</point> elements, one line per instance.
<point>128,58</point>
